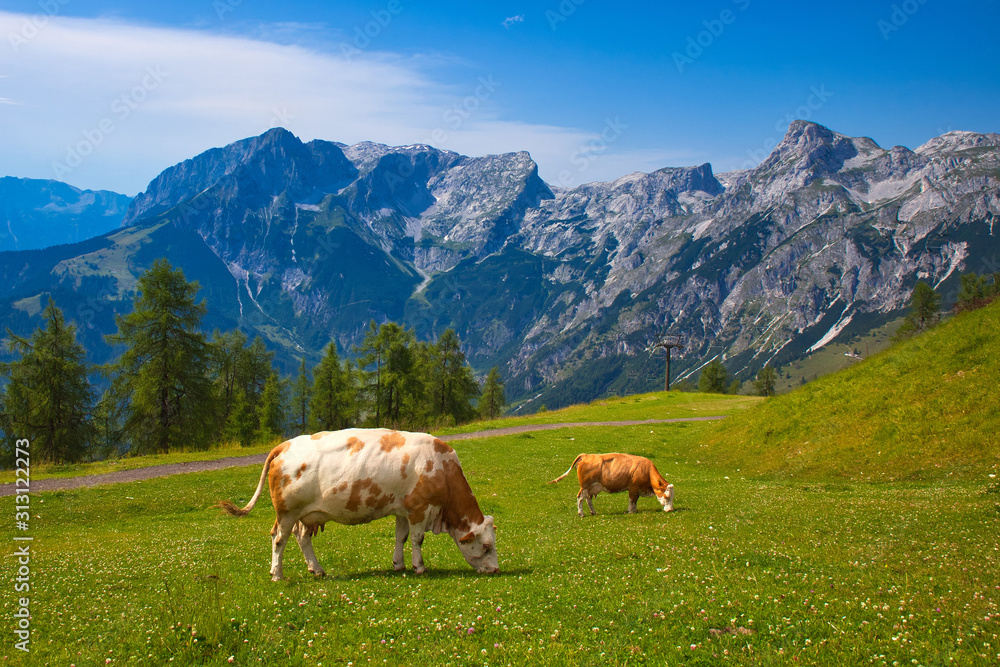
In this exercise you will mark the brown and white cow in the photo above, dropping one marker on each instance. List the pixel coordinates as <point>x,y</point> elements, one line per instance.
<point>619,472</point>
<point>359,475</point>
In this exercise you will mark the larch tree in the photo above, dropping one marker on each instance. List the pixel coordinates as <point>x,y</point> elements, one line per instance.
<point>713,378</point>
<point>493,400</point>
<point>332,402</point>
<point>162,376</point>
<point>48,397</point>
<point>452,386</point>
<point>301,392</point>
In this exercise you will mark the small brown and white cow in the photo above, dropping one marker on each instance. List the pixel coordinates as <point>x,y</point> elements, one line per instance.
<point>359,475</point>
<point>619,472</point>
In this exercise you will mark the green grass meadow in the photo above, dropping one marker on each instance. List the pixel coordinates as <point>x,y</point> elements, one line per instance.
<point>746,571</point>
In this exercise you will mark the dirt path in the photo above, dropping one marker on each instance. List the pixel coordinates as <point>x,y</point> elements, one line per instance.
<point>139,474</point>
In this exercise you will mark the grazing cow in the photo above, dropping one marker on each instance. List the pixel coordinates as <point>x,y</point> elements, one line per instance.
<point>619,472</point>
<point>359,475</point>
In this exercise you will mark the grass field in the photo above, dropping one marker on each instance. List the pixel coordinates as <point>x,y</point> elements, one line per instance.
<point>745,571</point>
<point>924,409</point>
<point>646,406</point>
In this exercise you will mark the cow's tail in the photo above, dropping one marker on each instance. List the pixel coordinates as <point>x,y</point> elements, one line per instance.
<point>229,507</point>
<point>560,477</point>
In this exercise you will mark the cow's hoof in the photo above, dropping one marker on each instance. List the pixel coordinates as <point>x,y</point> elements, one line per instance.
<point>398,568</point>
<point>318,573</point>
<point>276,578</point>
<point>420,570</point>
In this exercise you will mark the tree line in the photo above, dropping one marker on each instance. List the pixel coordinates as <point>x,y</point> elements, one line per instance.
<point>173,387</point>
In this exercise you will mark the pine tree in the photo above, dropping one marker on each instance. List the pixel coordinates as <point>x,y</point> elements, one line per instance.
<point>977,291</point>
<point>48,397</point>
<point>242,423</point>
<point>333,394</point>
<point>255,367</point>
<point>713,378</point>
<point>300,399</point>
<point>925,306</point>
<point>452,385</point>
<point>764,384</point>
<point>371,362</point>
<point>226,351</point>
<point>162,377</point>
<point>493,400</point>
<point>272,408</point>
<point>388,367</point>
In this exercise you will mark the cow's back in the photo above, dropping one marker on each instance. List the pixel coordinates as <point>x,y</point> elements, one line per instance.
<point>614,472</point>
<point>351,476</point>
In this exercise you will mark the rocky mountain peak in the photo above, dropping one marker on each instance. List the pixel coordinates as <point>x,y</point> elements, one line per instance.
<point>259,167</point>
<point>951,142</point>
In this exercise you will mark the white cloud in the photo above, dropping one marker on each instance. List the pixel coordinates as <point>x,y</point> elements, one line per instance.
<point>105,104</point>
<point>511,20</point>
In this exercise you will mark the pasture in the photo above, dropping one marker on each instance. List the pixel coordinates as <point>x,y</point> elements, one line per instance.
<point>745,571</point>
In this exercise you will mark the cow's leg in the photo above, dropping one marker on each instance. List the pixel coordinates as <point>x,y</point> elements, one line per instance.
<point>402,532</point>
<point>416,543</point>
<point>580,497</point>
<point>633,502</point>
<point>281,532</point>
<point>304,537</point>
<point>590,501</point>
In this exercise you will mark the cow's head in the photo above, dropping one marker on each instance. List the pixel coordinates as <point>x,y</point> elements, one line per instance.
<point>664,493</point>
<point>478,546</point>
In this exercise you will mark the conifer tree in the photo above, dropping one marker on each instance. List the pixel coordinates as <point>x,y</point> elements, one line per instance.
<point>300,400</point>
<point>713,378</point>
<point>48,398</point>
<point>272,408</point>
<point>241,426</point>
<point>493,400</point>
<point>331,405</point>
<point>226,349</point>
<point>452,385</point>
<point>162,377</point>
<point>764,384</point>
<point>388,365</point>
<point>925,306</point>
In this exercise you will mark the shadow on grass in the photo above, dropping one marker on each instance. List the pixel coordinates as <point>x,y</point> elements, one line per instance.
<point>430,574</point>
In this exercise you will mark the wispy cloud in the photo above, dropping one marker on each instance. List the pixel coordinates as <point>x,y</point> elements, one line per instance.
<point>511,20</point>
<point>117,103</point>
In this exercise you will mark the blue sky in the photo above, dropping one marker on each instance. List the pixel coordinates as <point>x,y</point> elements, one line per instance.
<point>106,94</point>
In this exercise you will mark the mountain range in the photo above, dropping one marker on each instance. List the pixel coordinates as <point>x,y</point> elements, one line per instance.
<point>565,289</point>
<point>38,213</point>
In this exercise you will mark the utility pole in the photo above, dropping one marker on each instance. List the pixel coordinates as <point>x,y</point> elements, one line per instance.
<point>668,343</point>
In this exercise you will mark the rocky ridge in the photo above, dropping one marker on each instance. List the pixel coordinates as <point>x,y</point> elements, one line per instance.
<point>570,288</point>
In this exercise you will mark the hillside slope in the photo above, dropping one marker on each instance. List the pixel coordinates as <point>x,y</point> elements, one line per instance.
<point>923,409</point>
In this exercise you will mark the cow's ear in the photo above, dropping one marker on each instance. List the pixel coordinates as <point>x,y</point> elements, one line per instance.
<point>468,537</point>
